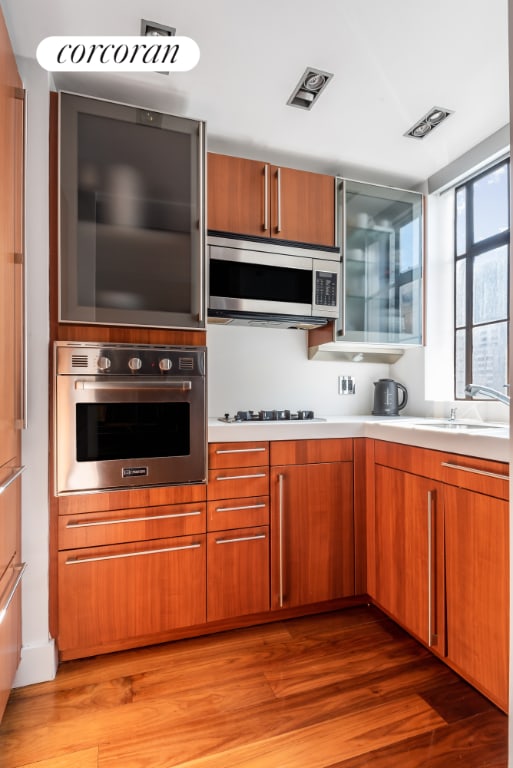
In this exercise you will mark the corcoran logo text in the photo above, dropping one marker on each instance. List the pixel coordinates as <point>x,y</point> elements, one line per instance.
<point>118,54</point>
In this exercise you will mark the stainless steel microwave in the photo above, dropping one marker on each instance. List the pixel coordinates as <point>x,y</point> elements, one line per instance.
<point>259,281</point>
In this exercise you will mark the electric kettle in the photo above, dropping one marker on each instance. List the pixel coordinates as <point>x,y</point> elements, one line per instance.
<point>386,398</point>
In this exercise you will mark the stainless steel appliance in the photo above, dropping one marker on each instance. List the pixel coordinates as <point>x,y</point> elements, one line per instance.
<point>273,415</point>
<point>129,416</point>
<point>259,281</point>
<point>386,397</point>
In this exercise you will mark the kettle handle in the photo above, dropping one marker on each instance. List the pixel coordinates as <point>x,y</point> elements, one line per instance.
<point>405,397</point>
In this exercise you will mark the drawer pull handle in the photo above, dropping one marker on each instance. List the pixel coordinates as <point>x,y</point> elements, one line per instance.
<point>79,560</point>
<point>75,524</point>
<point>16,472</point>
<point>241,538</point>
<point>474,471</point>
<point>18,570</point>
<point>236,509</point>
<point>242,477</point>
<point>241,450</point>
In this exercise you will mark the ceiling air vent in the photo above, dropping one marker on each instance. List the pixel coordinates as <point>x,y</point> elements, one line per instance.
<point>309,88</point>
<point>425,125</point>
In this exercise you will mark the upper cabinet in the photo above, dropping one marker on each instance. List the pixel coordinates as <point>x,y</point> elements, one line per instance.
<point>381,237</point>
<point>249,197</point>
<point>131,216</point>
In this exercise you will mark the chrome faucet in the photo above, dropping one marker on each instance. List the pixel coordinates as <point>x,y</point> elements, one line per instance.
<point>494,394</point>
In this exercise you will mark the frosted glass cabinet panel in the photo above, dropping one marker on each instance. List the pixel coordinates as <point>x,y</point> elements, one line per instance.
<point>382,237</point>
<point>131,215</point>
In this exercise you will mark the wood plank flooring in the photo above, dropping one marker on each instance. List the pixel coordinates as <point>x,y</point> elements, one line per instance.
<point>340,690</point>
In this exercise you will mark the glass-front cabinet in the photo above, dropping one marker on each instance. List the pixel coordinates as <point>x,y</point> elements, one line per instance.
<point>132,219</point>
<point>381,234</point>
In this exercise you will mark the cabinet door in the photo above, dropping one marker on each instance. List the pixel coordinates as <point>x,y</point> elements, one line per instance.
<point>114,593</point>
<point>238,572</point>
<point>312,543</point>
<point>477,587</point>
<point>408,557</point>
<point>10,632</point>
<point>238,195</point>
<point>302,206</point>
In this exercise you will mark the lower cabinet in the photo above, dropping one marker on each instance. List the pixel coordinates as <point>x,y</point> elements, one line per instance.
<point>312,541</point>
<point>440,540</point>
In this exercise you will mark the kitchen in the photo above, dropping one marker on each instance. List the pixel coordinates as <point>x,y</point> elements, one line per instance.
<point>268,360</point>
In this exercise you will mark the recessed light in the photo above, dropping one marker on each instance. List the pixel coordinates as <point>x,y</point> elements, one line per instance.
<point>425,125</point>
<point>153,29</point>
<point>307,91</point>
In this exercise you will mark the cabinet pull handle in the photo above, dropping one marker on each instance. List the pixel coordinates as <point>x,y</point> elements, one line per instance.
<point>79,560</point>
<point>241,538</point>
<point>236,509</point>
<point>240,450</point>
<point>278,193</point>
<point>474,471</point>
<point>242,477</point>
<point>280,512</point>
<point>15,473</point>
<point>18,570</point>
<point>75,524</point>
<point>266,197</point>
<point>431,637</point>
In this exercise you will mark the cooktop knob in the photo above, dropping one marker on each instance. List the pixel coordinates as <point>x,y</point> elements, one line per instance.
<point>165,364</point>
<point>103,363</point>
<point>135,363</point>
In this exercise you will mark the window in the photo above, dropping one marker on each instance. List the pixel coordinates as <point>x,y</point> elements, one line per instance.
<point>482,280</point>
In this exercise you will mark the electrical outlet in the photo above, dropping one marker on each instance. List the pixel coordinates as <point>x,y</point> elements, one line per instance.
<point>346,385</point>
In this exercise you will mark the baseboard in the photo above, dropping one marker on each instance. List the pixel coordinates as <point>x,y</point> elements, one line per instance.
<point>37,665</point>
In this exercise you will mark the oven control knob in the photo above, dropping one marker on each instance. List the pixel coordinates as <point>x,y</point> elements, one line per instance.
<point>165,364</point>
<point>135,363</point>
<point>103,363</point>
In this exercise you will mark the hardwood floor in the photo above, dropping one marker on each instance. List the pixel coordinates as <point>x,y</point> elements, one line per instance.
<point>341,690</point>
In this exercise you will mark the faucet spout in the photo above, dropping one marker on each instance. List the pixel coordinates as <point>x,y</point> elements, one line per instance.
<point>494,394</point>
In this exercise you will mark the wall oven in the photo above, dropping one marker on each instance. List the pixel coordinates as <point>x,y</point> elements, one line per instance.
<point>128,416</point>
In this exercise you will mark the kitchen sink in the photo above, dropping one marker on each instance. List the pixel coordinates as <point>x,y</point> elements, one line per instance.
<point>457,426</point>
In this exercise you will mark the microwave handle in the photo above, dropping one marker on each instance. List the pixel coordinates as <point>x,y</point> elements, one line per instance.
<point>181,386</point>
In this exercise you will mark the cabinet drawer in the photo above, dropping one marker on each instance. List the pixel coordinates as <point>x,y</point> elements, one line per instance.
<point>237,572</point>
<point>237,513</point>
<point>130,590</point>
<point>237,481</point>
<point>102,528</point>
<point>10,505</point>
<point>311,451</point>
<point>480,475</point>
<point>133,498</point>
<point>222,455</point>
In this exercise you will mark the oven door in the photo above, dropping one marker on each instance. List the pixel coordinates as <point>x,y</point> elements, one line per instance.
<point>129,432</point>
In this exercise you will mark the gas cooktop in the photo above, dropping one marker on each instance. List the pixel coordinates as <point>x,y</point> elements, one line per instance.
<point>284,415</point>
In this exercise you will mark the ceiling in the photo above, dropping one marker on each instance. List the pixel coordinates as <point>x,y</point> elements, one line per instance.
<point>392,61</point>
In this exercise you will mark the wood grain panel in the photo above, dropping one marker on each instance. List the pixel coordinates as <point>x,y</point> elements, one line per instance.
<point>237,513</point>
<point>140,524</point>
<point>426,462</point>
<point>136,497</point>
<point>237,482</point>
<point>237,572</point>
<point>247,454</point>
<point>236,195</point>
<point>311,451</point>
<point>305,204</point>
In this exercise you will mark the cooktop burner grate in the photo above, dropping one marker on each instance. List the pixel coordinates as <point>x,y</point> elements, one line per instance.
<point>274,415</point>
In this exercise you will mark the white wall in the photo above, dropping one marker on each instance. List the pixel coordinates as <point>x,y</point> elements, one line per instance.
<point>38,660</point>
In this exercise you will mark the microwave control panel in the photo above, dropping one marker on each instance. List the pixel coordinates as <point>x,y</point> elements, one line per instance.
<point>326,289</point>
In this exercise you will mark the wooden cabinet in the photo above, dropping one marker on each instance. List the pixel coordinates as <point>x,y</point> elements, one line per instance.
<point>312,546</point>
<point>250,197</point>
<point>440,545</point>
<point>11,341</point>
<point>238,530</point>
<point>139,571</point>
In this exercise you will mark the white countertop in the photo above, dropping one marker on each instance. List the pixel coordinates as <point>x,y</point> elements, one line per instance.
<point>486,443</point>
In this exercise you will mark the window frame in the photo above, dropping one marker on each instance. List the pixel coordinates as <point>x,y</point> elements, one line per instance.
<point>471,252</point>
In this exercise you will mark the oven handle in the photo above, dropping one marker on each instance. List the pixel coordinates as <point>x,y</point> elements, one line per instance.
<point>181,386</point>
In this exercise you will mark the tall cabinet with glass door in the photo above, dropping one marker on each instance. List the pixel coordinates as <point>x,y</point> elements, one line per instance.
<point>381,232</point>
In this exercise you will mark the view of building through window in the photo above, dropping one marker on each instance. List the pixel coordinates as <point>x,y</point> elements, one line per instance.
<point>482,280</point>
